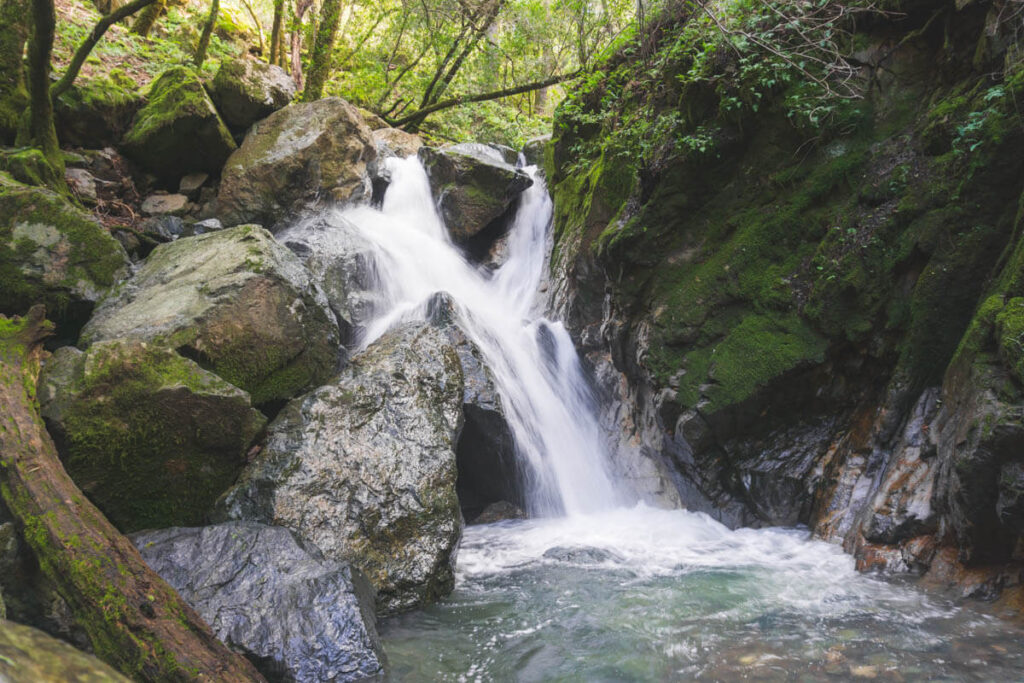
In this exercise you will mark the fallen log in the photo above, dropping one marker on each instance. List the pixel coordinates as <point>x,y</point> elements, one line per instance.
<point>134,620</point>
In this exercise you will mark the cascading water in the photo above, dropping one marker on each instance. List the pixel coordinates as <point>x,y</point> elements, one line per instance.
<point>610,592</point>
<point>535,367</point>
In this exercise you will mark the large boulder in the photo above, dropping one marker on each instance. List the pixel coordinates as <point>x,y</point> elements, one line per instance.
<point>295,158</point>
<point>472,185</point>
<point>247,90</point>
<point>28,656</point>
<point>97,112</point>
<point>365,467</point>
<point>54,253</point>
<point>148,435</point>
<point>298,616</point>
<point>238,303</point>
<point>179,130</point>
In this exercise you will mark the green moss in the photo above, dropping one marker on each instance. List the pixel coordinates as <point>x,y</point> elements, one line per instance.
<point>1009,328</point>
<point>152,437</point>
<point>31,167</point>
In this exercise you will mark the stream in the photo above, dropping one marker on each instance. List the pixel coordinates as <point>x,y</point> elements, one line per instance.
<point>596,586</point>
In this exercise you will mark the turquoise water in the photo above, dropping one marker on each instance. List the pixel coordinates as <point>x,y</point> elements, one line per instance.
<point>651,595</point>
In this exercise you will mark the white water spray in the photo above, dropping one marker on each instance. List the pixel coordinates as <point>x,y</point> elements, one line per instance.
<point>537,373</point>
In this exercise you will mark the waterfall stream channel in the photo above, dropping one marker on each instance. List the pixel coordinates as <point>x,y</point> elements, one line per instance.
<point>596,586</point>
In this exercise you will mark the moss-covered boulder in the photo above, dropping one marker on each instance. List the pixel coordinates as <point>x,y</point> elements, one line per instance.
<point>30,166</point>
<point>237,302</point>
<point>295,158</point>
<point>365,467</point>
<point>28,655</point>
<point>97,112</point>
<point>54,253</point>
<point>147,434</point>
<point>472,185</point>
<point>247,90</point>
<point>179,130</point>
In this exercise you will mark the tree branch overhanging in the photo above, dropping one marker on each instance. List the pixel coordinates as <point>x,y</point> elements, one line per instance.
<point>483,97</point>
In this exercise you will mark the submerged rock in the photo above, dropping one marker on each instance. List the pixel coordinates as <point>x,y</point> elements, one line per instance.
<point>472,185</point>
<point>297,616</point>
<point>365,467</point>
<point>235,301</point>
<point>179,130</point>
<point>54,253</point>
<point>297,157</point>
<point>148,435</point>
<point>28,655</point>
<point>247,90</point>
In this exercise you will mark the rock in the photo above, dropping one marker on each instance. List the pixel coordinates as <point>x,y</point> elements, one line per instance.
<point>28,655</point>
<point>247,90</point>
<point>364,468</point>
<point>191,184</point>
<point>82,184</point>
<point>160,204</point>
<point>209,225</point>
<point>298,616</point>
<point>372,121</point>
<point>148,435</point>
<point>498,512</point>
<point>297,157</point>
<point>163,228</point>
<point>178,131</point>
<point>472,186</point>
<point>238,303</point>
<point>534,148</point>
<point>508,155</point>
<point>53,252</point>
<point>97,112</point>
<point>30,166</point>
<point>394,142</point>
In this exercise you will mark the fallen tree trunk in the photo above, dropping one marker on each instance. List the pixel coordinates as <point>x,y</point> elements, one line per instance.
<point>135,621</point>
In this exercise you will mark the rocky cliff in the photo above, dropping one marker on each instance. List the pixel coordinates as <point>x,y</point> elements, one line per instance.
<point>803,305</point>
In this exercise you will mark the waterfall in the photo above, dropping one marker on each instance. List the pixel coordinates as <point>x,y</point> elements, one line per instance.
<point>537,373</point>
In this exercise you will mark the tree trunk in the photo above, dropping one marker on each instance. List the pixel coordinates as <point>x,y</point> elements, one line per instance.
<point>145,21</point>
<point>204,39</point>
<point>323,46</point>
<point>14,29</point>
<point>136,622</point>
<point>276,39</point>
<point>41,130</point>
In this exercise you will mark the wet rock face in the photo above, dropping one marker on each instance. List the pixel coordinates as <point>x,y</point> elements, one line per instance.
<point>27,654</point>
<point>473,186</point>
<point>148,435</point>
<point>247,90</point>
<point>235,301</point>
<point>365,467</point>
<point>296,615</point>
<point>179,130</point>
<point>53,252</point>
<point>303,155</point>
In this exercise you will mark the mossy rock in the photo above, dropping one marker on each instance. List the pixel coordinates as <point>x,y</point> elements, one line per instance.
<point>97,112</point>
<point>299,156</point>
<point>13,103</point>
<point>236,301</point>
<point>53,253</point>
<point>148,435</point>
<point>30,166</point>
<point>179,130</point>
<point>247,90</point>
<point>472,185</point>
<point>28,655</point>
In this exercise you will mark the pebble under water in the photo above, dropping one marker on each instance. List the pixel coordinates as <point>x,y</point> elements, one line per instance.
<point>642,594</point>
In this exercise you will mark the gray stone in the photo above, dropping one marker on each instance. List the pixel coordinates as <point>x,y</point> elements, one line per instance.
<point>472,185</point>
<point>298,616</point>
<point>208,225</point>
<point>394,142</point>
<point>191,184</point>
<point>163,204</point>
<point>82,184</point>
<point>298,157</point>
<point>365,467</point>
<point>533,150</point>
<point>163,228</point>
<point>235,300</point>
<point>247,90</point>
